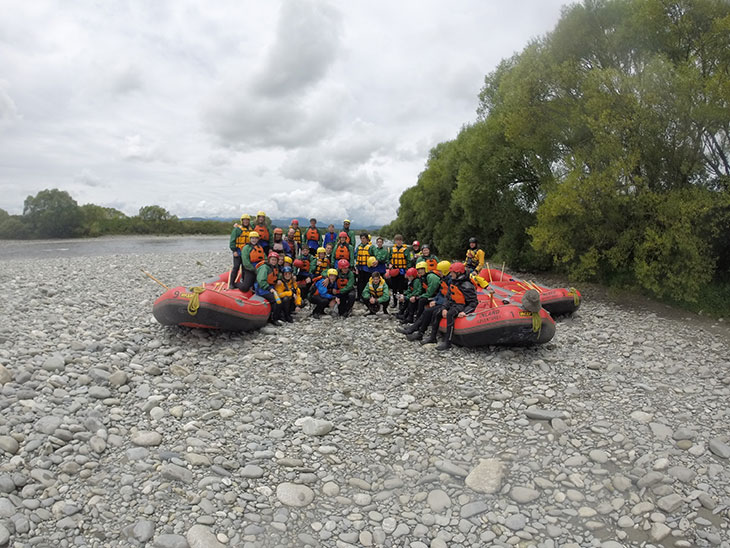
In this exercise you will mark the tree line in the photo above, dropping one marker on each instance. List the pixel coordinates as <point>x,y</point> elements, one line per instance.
<point>53,213</point>
<point>602,149</point>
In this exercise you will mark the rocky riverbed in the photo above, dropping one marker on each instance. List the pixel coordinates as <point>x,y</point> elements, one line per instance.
<point>116,431</point>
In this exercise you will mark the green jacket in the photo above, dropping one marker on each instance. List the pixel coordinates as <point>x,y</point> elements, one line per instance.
<point>235,233</point>
<point>382,254</point>
<point>350,276</point>
<point>246,257</point>
<point>372,290</point>
<point>262,274</point>
<point>433,283</point>
<point>415,288</point>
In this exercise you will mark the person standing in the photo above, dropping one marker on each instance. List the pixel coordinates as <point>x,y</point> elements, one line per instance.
<point>400,260</point>
<point>297,231</point>
<point>312,236</point>
<point>262,227</point>
<point>350,233</point>
<point>251,254</point>
<point>474,261</point>
<point>239,238</point>
<point>362,269</point>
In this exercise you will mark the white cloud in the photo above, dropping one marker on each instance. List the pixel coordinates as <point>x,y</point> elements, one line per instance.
<point>8,109</point>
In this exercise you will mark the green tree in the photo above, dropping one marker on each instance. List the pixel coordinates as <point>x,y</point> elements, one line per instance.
<point>53,214</point>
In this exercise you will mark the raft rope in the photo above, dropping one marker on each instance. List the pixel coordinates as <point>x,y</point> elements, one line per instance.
<point>576,298</point>
<point>194,302</point>
<point>536,323</point>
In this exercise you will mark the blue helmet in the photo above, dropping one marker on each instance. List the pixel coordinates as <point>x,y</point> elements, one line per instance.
<point>286,269</point>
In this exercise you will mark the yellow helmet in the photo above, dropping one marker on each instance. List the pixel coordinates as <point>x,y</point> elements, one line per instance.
<point>332,272</point>
<point>253,234</point>
<point>443,267</point>
<point>288,259</point>
<point>261,214</point>
<point>422,264</point>
<point>245,216</point>
<point>372,261</point>
<point>321,250</point>
<point>347,221</point>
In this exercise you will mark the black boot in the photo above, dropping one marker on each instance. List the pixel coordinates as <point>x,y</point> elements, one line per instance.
<point>407,330</point>
<point>415,336</point>
<point>431,338</point>
<point>444,345</point>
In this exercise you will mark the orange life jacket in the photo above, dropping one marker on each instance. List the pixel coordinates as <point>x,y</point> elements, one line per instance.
<point>456,295</point>
<point>342,282</point>
<point>432,264</point>
<point>243,238</point>
<point>342,252</point>
<point>307,264</point>
<point>444,288</point>
<point>256,255</point>
<point>263,232</point>
<point>273,275</point>
<point>312,234</point>
<point>398,257</point>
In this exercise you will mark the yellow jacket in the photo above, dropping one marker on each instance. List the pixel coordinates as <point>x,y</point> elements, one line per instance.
<point>475,259</point>
<point>289,289</point>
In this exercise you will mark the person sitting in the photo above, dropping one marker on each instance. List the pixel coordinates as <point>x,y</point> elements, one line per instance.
<point>321,295</point>
<point>262,227</point>
<point>293,244</point>
<point>409,299</point>
<point>362,256</point>
<point>303,263</point>
<point>474,261</point>
<point>376,294</point>
<point>321,264</point>
<point>266,278</point>
<point>289,293</point>
<point>278,243</point>
<point>312,235</point>
<point>329,237</point>
<point>297,231</point>
<point>416,250</point>
<point>251,254</point>
<point>239,238</point>
<point>461,299</point>
<point>434,286</point>
<point>345,288</point>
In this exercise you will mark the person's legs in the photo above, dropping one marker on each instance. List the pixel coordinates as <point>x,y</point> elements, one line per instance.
<point>347,301</point>
<point>320,303</point>
<point>275,308</point>
<point>237,264</point>
<point>286,309</point>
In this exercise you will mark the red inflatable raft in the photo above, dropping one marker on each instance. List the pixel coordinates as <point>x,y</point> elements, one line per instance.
<point>496,323</point>
<point>557,301</point>
<point>212,305</point>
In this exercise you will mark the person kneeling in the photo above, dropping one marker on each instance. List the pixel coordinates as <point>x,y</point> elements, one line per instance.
<point>289,293</point>
<point>266,278</point>
<point>321,295</point>
<point>376,293</point>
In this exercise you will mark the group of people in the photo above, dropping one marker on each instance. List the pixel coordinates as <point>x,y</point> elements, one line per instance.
<point>335,269</point>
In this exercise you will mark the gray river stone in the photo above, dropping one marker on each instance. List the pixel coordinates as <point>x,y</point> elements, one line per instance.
<point>293,494</point>
<point>486,477</point>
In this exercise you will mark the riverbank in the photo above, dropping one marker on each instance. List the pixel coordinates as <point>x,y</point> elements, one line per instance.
<point>116,431</point>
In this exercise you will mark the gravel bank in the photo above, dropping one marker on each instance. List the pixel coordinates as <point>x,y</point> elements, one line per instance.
<point>116,431</point>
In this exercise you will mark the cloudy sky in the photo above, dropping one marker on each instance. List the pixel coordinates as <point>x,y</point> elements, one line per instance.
<point>216,108</point>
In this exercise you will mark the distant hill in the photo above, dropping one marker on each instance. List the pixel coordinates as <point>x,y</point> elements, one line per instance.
<point>303,222</point>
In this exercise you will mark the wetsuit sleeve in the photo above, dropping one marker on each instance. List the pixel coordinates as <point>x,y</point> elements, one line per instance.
<point>470,296</point>
<point>432,290</point>
<point>366,292</point>
<point>262,275</point>
<point>246,257</point>
<point>235,233</point>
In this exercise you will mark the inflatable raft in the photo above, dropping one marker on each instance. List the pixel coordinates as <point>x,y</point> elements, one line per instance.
<point>212,305</point>
<point>557,301</point>
<point>497,323</point>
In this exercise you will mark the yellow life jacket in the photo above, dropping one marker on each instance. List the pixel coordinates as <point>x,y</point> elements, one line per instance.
<point>398,257</point>
<point>376,292</point>
<point>363,252</point>
<point>243,238</point>
<point>297,235</point>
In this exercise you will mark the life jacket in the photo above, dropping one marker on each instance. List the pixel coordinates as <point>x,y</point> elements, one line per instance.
<point>342,252</point>
<point>444,288</point>
<point>263,232</point>
<point>307,263</point>
<point>456,295</point>
<point>312,234</point>
<point>472,262</point>
<point>363,253</point>
<point>243,237</point>
<point>297,235</point>
<point>287,288</point>
<point>376,292</point>
<point>424,280</point>
<point>322,264</point>
<point>432,264</point>
<point>342,282</point>
<point>256,255</point>
<point>398,257</point>
<point>273,275</point>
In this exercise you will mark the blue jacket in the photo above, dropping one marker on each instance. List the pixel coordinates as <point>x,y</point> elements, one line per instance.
<point>329,238</point>
<point>323,289</point>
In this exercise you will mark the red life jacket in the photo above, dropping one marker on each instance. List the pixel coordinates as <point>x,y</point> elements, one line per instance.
<point>307,263</point>
<point>342,282</point>
<point>342,252</point>
<point>263,232</point>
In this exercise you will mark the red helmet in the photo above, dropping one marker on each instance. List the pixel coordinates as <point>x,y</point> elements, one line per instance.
<point>412,272</point>
<point>394,272</point>
<point>298,263</point>
<point>457,267</point>
<point>295,221</point>
<point>278,231</point>
<point>416,242</point>
<point>343,234</point>
<point>343,263</point>
<point>273,254</point>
